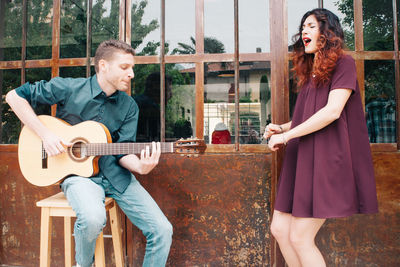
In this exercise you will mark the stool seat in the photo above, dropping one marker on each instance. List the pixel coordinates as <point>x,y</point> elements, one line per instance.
<point>58,206</point>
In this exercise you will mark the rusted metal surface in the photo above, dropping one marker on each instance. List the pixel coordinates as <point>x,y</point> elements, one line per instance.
<point>20,218</point>
<point>368,240</point>
<point>218,205</point>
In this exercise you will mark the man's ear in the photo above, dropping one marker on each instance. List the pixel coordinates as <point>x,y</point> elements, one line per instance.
<point>103,65</point>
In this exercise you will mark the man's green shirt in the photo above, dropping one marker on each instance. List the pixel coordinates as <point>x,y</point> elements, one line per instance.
<point>82,99</point>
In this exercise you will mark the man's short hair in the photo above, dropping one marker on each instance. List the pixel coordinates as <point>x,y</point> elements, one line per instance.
<point>107,49</point>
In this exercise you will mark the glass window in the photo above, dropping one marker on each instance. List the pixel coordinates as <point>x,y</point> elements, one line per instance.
<point>10,124</point>
<point>146,27</point>
<point>378,25</point>
<point>10,30</point>
<point>254,101</point>
<point>33,75</point>
<point>296,10</point>
<point>180,115</point>
<point>73,28</point>
<point>105,22</point>
<point>219,103</point>
<point>39,29</point>
<point>219,26</point>
<point>345,11</point>
<point>380,101</point>
<point>180,26</point>
<point>254,26</point>
<point>73,72</point>
<point>146,93</point>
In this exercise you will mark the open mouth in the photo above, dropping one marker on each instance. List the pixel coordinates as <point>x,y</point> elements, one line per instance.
<point>306,41</point>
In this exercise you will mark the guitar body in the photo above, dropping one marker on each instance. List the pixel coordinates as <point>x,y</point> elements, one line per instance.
<point>51,170</point>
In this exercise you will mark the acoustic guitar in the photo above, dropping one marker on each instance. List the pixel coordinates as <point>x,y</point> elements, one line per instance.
<point>90,140</point>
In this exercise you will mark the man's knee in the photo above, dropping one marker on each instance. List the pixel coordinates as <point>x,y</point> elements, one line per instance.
<point>163,231</point>
<point>92,222</point>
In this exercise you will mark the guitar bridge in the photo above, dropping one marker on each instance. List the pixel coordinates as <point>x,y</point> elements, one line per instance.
<point>44,158</point>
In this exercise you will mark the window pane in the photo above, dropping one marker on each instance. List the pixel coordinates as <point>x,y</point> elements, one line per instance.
<point>33,75</point>
<point>146,92</point>
<point>345,11</point>
<point>180,26</point>
<point>146,27</point>
<point>10,30</point>
<point>219,26</point>
<point>254,101</point>
<point>296,10</point>
<point>73,28</point>
<point>105,22</point>
<point>378,25</point>
<point>254,26</point>
<point>10,124</point>
<point>380,101</point>
<point>73,72</point>
<point>180,117</point>
<point>219,103</point>
<point>39,31</point>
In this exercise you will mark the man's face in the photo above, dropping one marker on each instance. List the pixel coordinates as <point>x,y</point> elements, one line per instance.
<point>119,70</point>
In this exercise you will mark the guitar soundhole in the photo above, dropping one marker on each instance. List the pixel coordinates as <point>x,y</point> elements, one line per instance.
<point>78,151</point>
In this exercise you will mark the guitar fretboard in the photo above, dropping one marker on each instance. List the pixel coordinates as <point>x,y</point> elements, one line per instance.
<point>98,149</point>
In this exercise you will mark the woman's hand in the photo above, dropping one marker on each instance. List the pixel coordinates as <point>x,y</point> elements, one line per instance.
<point>272,129</point>
<point>276,140</point>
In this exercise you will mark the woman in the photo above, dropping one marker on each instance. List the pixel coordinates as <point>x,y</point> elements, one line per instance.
<point>327,171</point>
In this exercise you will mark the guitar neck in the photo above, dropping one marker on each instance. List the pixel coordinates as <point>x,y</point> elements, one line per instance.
<point>101,149</point>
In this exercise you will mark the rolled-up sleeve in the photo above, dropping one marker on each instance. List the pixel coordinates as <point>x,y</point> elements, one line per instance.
<point>44,92</point>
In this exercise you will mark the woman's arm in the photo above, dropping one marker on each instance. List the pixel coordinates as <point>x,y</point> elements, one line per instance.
<point>330,112</point>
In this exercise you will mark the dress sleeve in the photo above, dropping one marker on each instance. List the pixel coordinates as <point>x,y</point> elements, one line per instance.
<point>345,75</point>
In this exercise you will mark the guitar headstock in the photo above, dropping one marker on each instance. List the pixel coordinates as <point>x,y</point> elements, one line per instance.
<point>189,146</point>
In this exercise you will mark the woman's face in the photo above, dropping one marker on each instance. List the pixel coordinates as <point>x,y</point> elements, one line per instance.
<point>310,34</point>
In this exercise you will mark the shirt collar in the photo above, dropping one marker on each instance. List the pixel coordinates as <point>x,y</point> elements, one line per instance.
<point>96,90</point>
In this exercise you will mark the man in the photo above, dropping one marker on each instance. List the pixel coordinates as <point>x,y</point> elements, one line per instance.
<point>100,98</point>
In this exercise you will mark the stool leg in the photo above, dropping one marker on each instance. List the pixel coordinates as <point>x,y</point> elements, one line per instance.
<point>99,256</point>
<point>68,249</point>
<point>45,237</point>
<point>116,236</point>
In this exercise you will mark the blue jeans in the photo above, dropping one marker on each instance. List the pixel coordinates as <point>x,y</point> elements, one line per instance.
<point>86,197</point>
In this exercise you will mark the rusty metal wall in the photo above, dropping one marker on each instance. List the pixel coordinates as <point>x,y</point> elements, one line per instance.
<point>219,206</point>
<point>369,240</point>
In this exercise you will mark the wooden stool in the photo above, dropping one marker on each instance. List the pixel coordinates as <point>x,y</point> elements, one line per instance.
<point>57,206</point>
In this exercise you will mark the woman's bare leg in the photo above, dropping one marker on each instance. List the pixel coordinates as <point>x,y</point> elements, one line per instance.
<point>280,229</point>
<point>302,235</point>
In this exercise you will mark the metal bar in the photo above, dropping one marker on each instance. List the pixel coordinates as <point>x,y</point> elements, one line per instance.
<point>397,69</point>
<point>162,72</point>
<point>24,37</point>
<point>122,14</point>
<point>128,21</point>
<point>199,68</point>
<point>55,46</point>
<point>199,26</point>
<point>359,46</point>
<point>279,96</point>
<point>236,66</point>
<point>88,36</point>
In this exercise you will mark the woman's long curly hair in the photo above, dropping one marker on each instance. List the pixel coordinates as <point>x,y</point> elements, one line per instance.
<point>329,49</point>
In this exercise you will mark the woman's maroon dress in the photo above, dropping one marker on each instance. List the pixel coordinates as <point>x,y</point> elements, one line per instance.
<point>329,173</point>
